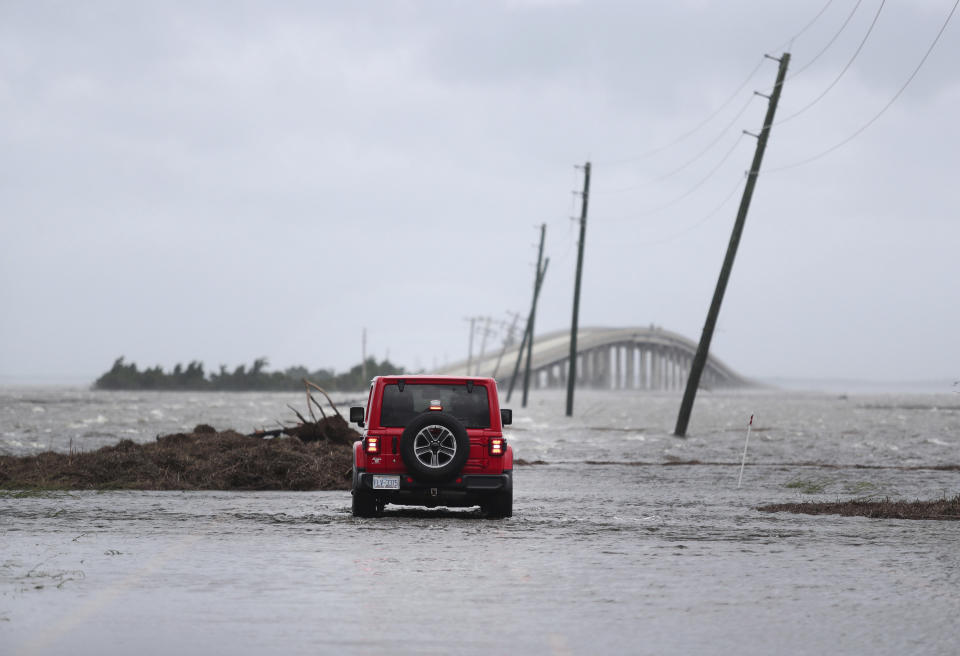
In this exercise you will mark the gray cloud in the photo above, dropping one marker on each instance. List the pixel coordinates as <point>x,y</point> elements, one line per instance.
<point>186,181</point>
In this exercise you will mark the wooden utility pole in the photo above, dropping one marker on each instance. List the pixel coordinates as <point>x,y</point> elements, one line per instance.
<point>528,331</point>
<point>484,333</point>
<point>572,375</point>
<point>516,367</point>
<point>703,349</point>
<point>473,321</point>
<point>507,341</point>
<point>363,366</point>
<point>541,269</point>
<point>526,373</point>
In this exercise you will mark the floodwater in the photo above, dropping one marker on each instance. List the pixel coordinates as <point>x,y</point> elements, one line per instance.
<point>627,556</point>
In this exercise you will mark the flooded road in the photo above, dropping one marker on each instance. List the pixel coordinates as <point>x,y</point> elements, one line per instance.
<point>620,557</point>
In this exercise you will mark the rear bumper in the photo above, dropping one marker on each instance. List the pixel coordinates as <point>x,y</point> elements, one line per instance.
<point>471,491</point>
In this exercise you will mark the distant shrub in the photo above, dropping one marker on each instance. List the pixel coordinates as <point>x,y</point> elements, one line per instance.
<point>124,376</point>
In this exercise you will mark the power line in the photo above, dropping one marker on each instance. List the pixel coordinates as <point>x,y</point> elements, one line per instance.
<point>692,189</point>
<point>693,130</point>
<point>885,107</point>
<point>709,215</point>
<point>842,72</point>
<point>689,162</point>
<point>724,104</point>
<point>829,43</point>
<point>789,42</point>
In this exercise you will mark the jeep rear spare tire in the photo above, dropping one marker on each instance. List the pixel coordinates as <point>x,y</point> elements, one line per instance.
<point>434,446</point>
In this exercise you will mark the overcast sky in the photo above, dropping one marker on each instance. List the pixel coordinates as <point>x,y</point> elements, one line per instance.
<point>223,181</point>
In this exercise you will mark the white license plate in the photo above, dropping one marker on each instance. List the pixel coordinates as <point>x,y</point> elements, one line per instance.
<point>386,482</point>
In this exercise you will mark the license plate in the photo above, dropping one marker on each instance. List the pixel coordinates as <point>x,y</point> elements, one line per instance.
<point>386,482</point>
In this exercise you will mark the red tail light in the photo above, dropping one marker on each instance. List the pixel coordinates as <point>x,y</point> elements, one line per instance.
<point>496,446</point>
<point>373,444</point>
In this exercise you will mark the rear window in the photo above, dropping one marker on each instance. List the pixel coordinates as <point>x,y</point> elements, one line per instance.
<point>399,408</point>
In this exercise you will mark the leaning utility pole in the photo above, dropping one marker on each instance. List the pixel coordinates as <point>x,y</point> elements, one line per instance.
<point>507,341</point>
<point>528,331</point>
<point>484,333</point>
<point>533,313</point>
<point>526,373</point>
<point>472,321</point>
<point>516,367</point>
<point>363,366</point>
<point>572,375</point>
<point>703,350</point>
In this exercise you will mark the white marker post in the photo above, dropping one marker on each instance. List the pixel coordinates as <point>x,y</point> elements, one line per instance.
<point>744,460</point>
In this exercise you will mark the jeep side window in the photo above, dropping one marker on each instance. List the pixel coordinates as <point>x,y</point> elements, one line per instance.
<point>366,411</point>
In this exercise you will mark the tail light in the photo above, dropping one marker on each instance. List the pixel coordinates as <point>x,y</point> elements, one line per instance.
<point>496,446</point>
<point>373,444</point>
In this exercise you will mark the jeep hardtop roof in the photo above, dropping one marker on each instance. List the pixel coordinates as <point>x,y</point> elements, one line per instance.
<point>392,378</point>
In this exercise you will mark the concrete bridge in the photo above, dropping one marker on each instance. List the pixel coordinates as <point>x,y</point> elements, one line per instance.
<point>607,358</point>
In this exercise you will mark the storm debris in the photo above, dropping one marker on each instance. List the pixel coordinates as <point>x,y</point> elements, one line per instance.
<point>333,429</point>
<point>200,460</point>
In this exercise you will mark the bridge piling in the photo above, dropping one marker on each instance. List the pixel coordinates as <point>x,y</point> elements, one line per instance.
<point>618,370</point>
<point>667,370</point>
<point>647,368</point>
<point>674,371</point>
<point>654,369</point>
<point>606,368</point>
<point>668,357</point>
<point>603,364</point>
<point>643,368</point>
<point>664,369</point>
<point>598,368</point>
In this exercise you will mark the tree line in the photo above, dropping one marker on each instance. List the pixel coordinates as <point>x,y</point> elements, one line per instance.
<point>126,376</point>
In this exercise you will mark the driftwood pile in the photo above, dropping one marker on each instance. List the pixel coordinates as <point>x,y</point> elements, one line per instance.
<point>330,429</point>
<point>310,455</point>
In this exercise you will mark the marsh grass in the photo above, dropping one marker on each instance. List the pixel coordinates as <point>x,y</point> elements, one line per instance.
<point>941,509</point>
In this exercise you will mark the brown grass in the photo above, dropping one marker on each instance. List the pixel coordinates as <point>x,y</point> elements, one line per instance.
<point>944,509</point>
<point>202,460</point>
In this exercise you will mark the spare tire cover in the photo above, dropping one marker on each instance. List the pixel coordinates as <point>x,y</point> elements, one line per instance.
<point>434,446</point>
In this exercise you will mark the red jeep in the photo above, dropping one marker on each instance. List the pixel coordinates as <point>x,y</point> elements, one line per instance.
<point>432,441</point>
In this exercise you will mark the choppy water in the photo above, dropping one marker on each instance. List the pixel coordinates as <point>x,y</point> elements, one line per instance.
<point>34,419</point>
<point>606,558</point>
